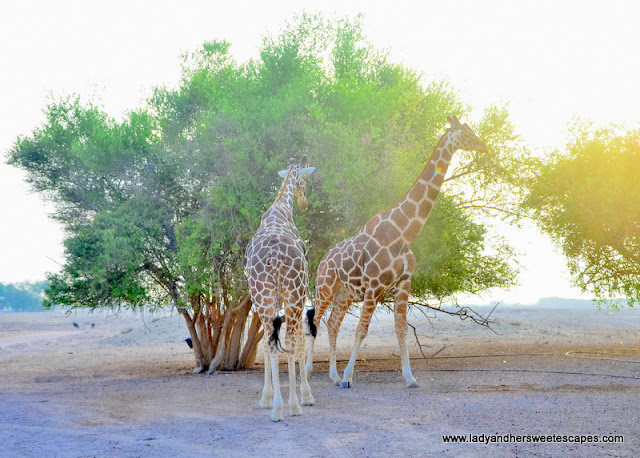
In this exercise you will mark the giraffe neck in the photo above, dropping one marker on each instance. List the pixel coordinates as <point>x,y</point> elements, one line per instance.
<point>284,201</point>
<point>417,203</point>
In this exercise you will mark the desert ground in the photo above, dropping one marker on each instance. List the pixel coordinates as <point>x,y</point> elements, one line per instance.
<point>124,388</point>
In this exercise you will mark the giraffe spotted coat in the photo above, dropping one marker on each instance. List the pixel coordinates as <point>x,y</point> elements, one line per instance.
<point>276,267</point>
<point>379,259</point>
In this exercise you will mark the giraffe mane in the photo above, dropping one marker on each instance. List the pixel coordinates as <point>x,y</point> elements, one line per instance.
<point>284,185</point>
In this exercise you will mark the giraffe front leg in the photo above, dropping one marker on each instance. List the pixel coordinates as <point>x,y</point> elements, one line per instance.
<point>266,401</point>
<point>400,314</point>
<point>361,332</point>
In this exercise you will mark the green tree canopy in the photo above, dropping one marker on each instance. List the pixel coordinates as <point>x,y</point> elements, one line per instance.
<point>587,198</point>
<point>159,206</point>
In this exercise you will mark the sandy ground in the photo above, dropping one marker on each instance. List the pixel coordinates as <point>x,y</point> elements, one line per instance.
<point>125,388</point>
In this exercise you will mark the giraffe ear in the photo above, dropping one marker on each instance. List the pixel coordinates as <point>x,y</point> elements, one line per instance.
<point>283,173</point>
<point>307,171</point>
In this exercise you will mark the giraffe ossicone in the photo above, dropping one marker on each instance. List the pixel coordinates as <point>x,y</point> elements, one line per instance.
<point>378,259</point>
<point>276,266</point>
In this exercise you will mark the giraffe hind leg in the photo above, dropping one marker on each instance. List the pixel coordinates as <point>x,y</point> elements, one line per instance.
<point>266,401</point>
<point>341,303</point>
<point>290,340</point>
<point>368,307</point>
<point>276,412</point>
<point>305,388</point>
<point>400,315</point>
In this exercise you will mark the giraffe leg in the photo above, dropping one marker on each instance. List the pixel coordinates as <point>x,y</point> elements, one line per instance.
<point>266,402</point>
<point>276,412</point>
<point>368,308</point>
<point>325,284</point>
<point>400,314</point>
<point>311,341</point>
<point>339,309</point>
<point>290,344</point>
<point>322,302</point>
<point>305,388</point>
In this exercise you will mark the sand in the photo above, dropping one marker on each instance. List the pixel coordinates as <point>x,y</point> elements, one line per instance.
<point>124,387</point>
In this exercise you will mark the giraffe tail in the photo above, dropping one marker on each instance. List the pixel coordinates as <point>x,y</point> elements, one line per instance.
<point>277,321</point>
<point>313,329</point>
<point>275,335</point>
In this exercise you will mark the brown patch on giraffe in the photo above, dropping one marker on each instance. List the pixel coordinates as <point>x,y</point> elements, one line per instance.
<point>417,191</point>
<point>356,282</point>
<point>386,277</point>
<point>402,295</point>
<point>411,261</point>
<point>377,294</point>
<point>371,248</point>
<point>433,192</point>
<point>383,258</point>
<point>386,233</point>
<point>396,248</point>
<point>413,230</point>
<point>371,225</point>
<point>398,217</point>
<point>372,270</point>
<point>429,170</point>
<point>356,270</point>
<point>425,208</point>
<point>347,264</point>
<point>409,209</point>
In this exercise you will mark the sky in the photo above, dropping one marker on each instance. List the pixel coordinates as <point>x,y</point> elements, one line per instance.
<point>549,60</point>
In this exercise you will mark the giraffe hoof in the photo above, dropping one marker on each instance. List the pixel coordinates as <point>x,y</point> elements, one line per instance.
<point>308,402</point>
<point>336,383</point>
<point>265,405</point>
<point>345,384</point>
<point>413,385</point>
<point>277,416</point>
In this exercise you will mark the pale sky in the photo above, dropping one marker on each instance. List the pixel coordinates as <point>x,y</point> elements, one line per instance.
<point>551,60</point>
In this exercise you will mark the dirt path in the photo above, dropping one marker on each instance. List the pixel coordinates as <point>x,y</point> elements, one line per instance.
<point>125,389</point>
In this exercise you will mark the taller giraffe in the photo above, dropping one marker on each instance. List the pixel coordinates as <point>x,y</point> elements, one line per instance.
<point>276,265</point>
<point>378,259</point>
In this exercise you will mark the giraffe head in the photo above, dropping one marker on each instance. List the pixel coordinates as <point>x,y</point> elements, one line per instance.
<point>297,175</point>
<point>467,139</point>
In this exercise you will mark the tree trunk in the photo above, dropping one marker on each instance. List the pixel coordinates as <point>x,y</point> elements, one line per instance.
<point>232,356</point>
<point>218,338</point>
<point>222,344</point>
<point>250,349</point>
<point>201,362</point>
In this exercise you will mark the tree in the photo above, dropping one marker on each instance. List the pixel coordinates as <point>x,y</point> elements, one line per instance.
<point>586,199</point>
<point>159,207</point>
<point>21,297</point>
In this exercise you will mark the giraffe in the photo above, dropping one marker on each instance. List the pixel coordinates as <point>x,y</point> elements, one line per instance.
<point>276,267</point>
<point>378,259</point>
